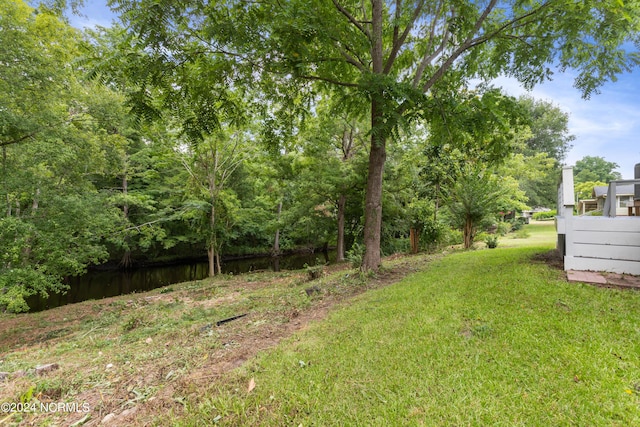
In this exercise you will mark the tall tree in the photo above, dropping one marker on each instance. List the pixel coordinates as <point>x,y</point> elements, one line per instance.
<point>211,164</point>
<point>549,137</point>
<point>397,56</point>
<point>591,168</point>
<point>55,219</point>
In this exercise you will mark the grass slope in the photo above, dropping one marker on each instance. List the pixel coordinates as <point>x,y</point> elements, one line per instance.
<point>485,337</point>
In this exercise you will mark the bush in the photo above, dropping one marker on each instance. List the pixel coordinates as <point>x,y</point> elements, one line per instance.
<point>454,237</point>
<point>18,284</point>
<point>545,216</point>
<point>395,246</point>
<point>517,223</point>
<point>503,228</point>
<point>491,241</point>
<point>314,271</point>
<point>355,255</point>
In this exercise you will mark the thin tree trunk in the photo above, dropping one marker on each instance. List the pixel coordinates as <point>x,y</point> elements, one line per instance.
<point>211,255</point>
<point>35,204</point>
<point>468,233</point>
<point>211,250</point>
<point>218,265</point>
<point>275,251</point>
<point>4,179</point>
<point>437,202</point>
<point>126,257</point>
<point>342,201</point>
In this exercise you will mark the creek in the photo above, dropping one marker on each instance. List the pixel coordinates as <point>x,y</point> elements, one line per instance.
<point>98,284</point>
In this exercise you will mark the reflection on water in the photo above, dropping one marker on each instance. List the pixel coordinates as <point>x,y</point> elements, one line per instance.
<point>101,284</point>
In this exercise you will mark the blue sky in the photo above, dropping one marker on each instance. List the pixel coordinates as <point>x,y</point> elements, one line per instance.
<point>606,125</point>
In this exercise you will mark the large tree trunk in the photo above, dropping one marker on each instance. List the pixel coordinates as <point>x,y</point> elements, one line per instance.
<point>378,154</point>
<point>414,238</point>
<point>373,198</point>
<point>342,201</point>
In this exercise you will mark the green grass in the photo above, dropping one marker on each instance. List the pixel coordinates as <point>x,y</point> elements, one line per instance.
<point>488,337</point>
<point>483,337</point>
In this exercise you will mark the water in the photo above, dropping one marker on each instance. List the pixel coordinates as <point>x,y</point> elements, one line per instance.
<point>98,284</point>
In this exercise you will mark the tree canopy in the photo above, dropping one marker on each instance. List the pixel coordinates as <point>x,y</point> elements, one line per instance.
<point>234,128</point>
<point>404,60</point>
<point>595,168</point>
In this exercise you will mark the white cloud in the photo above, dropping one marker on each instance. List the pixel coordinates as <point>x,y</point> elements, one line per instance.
<point>606,125</point>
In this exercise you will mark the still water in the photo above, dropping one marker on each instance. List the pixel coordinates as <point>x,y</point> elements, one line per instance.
<point>97,284</point>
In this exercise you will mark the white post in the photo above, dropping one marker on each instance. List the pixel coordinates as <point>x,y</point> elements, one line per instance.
<point>568,203</point>
<point>612,200</point>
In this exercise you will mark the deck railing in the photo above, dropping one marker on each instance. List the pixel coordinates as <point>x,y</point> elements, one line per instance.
<point>606,243</point>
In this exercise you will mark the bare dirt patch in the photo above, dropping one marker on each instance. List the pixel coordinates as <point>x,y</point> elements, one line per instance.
<point>136,358</point>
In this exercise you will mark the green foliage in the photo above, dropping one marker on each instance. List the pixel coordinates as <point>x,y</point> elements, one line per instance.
<point>517,223</point>
<point>433,234</point>
<point>314,271</point>
<point>18,284</point>
<point>545,216</point>
<point>491,241</point>
<point>407,63</point>
<point>478,196</point>
<point>589,169</point>
<point>504,228</point>
<point>584,190</point>
<point>549,127</point>
<point>355,254</point>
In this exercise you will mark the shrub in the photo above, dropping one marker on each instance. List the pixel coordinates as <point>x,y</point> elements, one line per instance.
<point>355,254</point>
<point>517,223</point>
<point>491,241</point>
<point>503,228</point>
<point>454,237</point>
<point>545,216</point>
<point>433,234</point>
<point>314,271</point>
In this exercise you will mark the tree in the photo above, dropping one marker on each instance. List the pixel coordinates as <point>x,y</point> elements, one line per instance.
<point>36,52</point>
<point>549,138</point>
<point>584,190</point>
<point>399,57</point>
<point>55,220</point>
<point>549,129</point>
<point>330,173</point>
<point>210,164</point>
<point>479,195</point>
<point>595,169</point>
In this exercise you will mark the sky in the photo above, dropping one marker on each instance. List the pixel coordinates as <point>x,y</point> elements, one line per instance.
<point>607,125</point>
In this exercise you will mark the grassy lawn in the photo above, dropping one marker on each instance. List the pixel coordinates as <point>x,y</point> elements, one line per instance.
<point>484,337</point>
<point>488,337</point>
